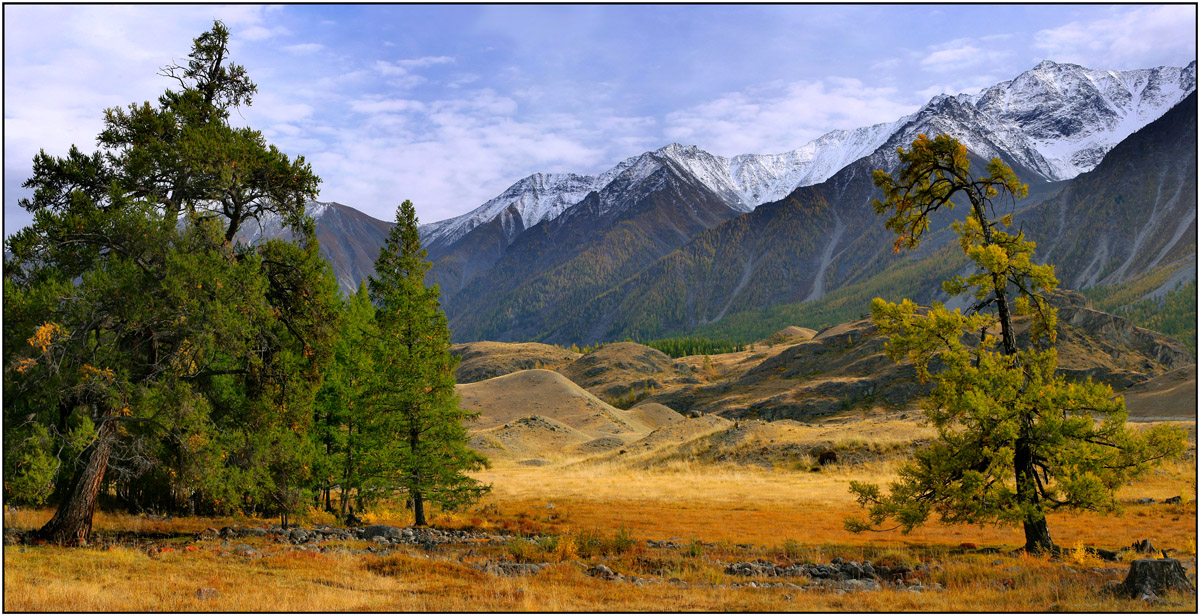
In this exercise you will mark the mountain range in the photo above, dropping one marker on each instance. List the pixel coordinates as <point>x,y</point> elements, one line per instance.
<point>678,237</point>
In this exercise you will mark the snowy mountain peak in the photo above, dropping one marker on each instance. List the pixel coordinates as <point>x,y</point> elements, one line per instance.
<point>1056,119</point>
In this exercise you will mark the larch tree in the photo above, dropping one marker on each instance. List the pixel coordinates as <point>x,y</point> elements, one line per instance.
<point>346,431</point>
<point>1014,439</point>
<point>414,396</point>
<point>145,344</point>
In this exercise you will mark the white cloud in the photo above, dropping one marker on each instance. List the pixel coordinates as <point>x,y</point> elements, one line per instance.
<point>425,61</point>
<point>303,48</point>
<point>258,33</point>
<point>783,116</point>
<point>964,53</point>
<point>1127,39</point>
<point>391,105</point>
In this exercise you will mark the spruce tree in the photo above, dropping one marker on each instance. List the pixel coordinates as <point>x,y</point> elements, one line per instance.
<point>1015,439</point>
<point>414,395</point>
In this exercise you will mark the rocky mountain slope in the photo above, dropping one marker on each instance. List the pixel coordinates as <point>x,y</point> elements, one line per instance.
<point>558,265</point>
<point>1132,213</point>
<point>1056,119</point>
<point>679,238</point>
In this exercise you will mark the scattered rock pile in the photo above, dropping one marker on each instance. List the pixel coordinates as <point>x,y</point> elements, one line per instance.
<point>839,575</point>
<point>429,538</point>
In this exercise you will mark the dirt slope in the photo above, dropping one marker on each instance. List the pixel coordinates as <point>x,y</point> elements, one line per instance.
<point>1167,396</point>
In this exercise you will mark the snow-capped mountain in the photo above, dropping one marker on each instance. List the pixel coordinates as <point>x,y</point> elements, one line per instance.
<point>1074,115</point>
<point>523,205</point>
<point>1056,120</point>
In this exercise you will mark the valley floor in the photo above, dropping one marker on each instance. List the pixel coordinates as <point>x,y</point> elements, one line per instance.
<point>667,535</point>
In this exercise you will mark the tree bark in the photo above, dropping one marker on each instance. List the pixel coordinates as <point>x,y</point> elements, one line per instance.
<point>72,522</point>
<point>419,508</point>
<point>1037,533</point>
<point>418,499</point>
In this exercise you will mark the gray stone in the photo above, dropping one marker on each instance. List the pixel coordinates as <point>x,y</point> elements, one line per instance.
<point>206,593</point>
<point>509,569</point>
<point>380,530</point>
<point>247,551</point>
<point>602,571</point>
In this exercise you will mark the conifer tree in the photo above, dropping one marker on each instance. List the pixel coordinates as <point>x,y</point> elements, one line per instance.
<point>1015,440</point>
<point>415,396</point>
<point>144,344</point>
<point>347,428</point>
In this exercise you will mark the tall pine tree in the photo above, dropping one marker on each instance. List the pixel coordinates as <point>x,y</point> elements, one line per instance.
<point>144,345</point>
<point>414,398</point>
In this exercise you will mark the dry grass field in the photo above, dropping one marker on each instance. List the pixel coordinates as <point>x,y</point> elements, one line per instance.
<point>581,513</point>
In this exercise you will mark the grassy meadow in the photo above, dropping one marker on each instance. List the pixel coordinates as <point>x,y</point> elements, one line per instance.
<point>575,515</point>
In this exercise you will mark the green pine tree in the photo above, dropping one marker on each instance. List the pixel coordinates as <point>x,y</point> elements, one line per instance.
<point>415,390</point>
<point>145,348</point>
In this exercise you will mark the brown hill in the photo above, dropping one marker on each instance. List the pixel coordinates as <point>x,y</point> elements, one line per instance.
<point>788,335</point>
<point>655,415</point>
<point>542,413</point>
<point>626,370</point>
<point>533,436</point>
<point>844,368</point>
<point>486,360</point>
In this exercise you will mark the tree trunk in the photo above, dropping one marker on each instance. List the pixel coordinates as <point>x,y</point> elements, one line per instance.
<point>419,508</point>
<point>418,499</point>
<point>72,522</point>
<point>1037,533</point>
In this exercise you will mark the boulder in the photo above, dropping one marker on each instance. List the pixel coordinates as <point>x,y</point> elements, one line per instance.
<point>1149,578</point>
<point>247,551</point>
<point>381,530</point>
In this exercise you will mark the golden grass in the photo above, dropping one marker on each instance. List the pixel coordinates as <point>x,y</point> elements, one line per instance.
<point>786,515</point>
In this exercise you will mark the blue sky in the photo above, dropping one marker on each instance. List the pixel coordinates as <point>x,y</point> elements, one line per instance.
<point>449,105</point>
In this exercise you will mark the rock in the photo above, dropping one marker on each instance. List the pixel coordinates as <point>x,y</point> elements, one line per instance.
<point>206,593</point>
<point>247,551</point>
<point>406,533</point>
<point>1145,501</point>
<point>1149,578</point>
<point>1174,500</point>
<point>601,571</point>
<point>380,530</point>
<point>868,585</point>
<point>509,569</point>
